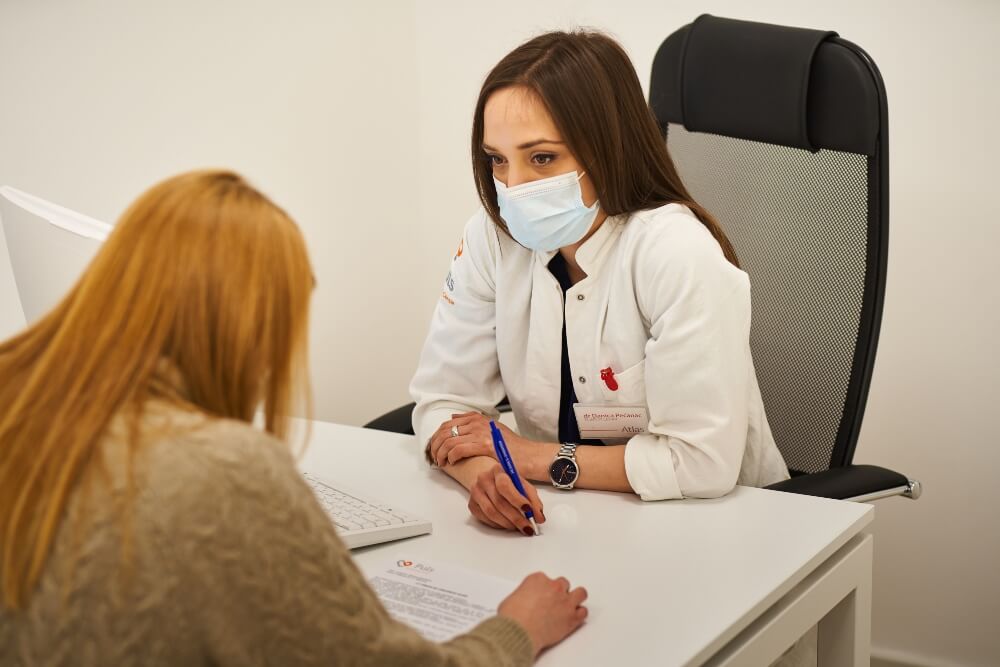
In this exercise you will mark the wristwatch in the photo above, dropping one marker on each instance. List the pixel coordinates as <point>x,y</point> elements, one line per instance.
<point>564,470</point>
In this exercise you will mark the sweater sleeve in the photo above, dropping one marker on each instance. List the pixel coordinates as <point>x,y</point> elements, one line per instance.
<point>263,577</point>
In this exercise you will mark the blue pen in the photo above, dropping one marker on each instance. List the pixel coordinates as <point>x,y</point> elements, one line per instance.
<point>503,456</point>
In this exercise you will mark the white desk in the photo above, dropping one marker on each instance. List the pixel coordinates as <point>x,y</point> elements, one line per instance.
<point>732,581</point>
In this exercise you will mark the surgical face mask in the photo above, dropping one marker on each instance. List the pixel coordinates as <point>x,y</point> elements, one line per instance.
<point>548,214</point>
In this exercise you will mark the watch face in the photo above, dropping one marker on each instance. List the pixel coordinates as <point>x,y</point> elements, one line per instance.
<point>563,471</point>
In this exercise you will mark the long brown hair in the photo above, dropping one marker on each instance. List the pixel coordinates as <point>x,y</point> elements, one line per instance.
<point>202,273</point>
<point>588,84</point>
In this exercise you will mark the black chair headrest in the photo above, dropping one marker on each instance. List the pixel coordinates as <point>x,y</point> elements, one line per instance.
<point>789,86</point>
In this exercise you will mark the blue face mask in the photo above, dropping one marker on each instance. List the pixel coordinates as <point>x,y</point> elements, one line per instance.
<point>548,214</point>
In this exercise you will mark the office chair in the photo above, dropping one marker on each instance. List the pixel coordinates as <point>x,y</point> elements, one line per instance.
<point>782,133</point>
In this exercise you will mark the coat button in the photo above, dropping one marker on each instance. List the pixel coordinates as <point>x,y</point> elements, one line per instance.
<point>583,380</point>
<point>579,297</point>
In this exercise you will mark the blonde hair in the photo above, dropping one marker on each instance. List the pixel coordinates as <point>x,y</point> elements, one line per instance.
<point>202,271</point>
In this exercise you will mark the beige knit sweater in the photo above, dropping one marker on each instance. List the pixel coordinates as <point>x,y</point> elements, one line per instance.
<point>233,563</point>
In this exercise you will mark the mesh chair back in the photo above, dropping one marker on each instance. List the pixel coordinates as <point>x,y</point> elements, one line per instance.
<point>808,223</point>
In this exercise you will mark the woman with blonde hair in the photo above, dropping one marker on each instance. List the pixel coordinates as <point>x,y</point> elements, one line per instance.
<point>143,519</point>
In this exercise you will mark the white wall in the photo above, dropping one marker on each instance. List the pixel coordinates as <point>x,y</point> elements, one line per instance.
<point>357,120</point>
<point>311,100</point>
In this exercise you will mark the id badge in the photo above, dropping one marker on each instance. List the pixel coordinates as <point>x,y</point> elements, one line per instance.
<point>611,421</point>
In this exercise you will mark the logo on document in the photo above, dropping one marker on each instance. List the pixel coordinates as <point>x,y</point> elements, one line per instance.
<point>415,566</point>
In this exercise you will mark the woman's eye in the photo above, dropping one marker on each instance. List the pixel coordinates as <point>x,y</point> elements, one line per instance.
<point>495,160</point>
<point>543,159</point>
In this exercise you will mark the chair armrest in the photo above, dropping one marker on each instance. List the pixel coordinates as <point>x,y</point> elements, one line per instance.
<point>853,482</point>
<point>399,420</point>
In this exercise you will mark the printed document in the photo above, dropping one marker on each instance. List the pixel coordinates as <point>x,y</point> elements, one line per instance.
<point>438,600</point>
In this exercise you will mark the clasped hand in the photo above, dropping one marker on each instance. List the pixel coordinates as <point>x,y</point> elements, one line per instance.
<point>493,498</point>
<point>474,439</point>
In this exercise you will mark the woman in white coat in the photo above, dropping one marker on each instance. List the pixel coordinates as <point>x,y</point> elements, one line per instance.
<point>596,295</point>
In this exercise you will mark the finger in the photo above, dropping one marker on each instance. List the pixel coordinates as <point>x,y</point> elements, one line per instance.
<point>581,613</point>
<point>471,446</point>
<point>496,516</point>
<point>537,575</point>
<point>505,487</point>
<point>475,506</point>
<point>442,435</point>
<point>511,512</point>
<point>578,595</point>
<point>465,450</point>
<point>562,583</point>
<point>441,456</point>
<point>482,518</point>
<point>438,438</point>
<point>518,500</point>
<point>488,506</point>
<point>438,451</point>
<point>464,426</point>
<point>534,501</point>
<point>473,423</point>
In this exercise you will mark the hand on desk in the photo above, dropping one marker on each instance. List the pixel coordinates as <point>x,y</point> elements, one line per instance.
<point>546,608</point>
<point>463,456</point>
<point>493,499</point>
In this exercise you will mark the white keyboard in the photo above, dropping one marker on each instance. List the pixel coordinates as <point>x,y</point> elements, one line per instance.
<point>362,521</point>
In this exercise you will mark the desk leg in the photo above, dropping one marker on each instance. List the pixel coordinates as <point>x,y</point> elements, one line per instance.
<point>836,596</point>
<point>845,632</point>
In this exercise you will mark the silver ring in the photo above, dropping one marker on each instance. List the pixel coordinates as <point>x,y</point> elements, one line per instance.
<point>454,431</point>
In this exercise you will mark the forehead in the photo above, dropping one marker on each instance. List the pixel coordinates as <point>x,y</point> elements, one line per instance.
<point>516,115</point>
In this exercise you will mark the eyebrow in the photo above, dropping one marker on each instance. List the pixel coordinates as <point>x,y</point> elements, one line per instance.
<point>527,144</point>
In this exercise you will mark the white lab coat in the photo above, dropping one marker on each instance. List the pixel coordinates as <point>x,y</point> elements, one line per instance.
<point>660,305</point>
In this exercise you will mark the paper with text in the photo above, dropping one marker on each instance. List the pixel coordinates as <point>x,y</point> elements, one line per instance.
<point>439,600</point>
